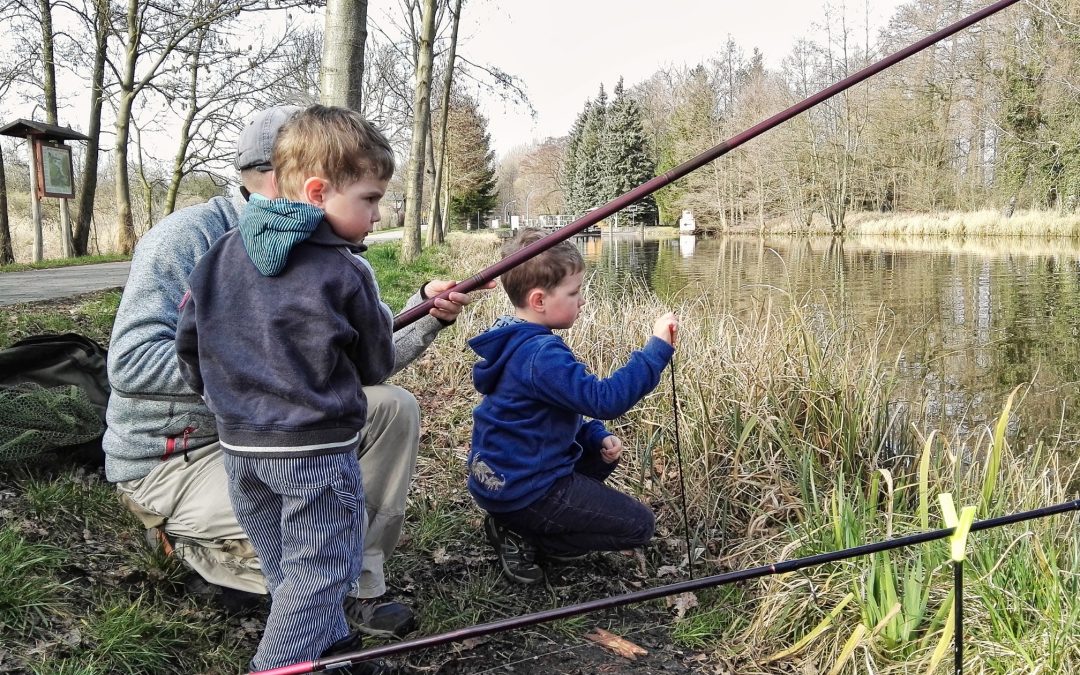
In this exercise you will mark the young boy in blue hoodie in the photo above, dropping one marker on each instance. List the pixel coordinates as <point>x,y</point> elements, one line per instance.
<point>535,465</point>
<point>281,329</point>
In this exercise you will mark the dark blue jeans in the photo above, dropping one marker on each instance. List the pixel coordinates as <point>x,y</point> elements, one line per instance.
<point>580,514</point>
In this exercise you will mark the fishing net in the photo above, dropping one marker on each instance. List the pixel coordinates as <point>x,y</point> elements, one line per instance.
<point>36,419</point>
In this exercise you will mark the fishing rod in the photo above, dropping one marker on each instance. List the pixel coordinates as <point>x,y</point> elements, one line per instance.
<point>412,314</point>
<point>569,611</point>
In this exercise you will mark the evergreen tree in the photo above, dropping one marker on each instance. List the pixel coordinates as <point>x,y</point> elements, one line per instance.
<point>568,175</point>
<point>625,158</point>
<point>471,163</point>
<point>588,169</point>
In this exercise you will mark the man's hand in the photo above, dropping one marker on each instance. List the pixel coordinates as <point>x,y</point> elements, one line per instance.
<point>447,309</point>
<point>611,449</point>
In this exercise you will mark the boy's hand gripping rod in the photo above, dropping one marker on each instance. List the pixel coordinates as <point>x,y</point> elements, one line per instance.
<point>414,313</point>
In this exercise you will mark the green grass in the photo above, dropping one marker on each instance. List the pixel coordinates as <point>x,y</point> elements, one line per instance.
<point>398,282</point>
<point>92,317</point>
<point>64,262</point>
<point>140,636</point>
<point>67,501</point>
<point>719,615</point>
<point>28,591</point>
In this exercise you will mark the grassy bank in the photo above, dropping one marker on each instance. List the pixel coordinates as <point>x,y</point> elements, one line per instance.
<point>63,262</point>
<point>790,447</point>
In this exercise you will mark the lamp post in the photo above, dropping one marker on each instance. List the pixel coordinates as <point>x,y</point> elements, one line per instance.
<point>506,211</point>
<point>527,198</point>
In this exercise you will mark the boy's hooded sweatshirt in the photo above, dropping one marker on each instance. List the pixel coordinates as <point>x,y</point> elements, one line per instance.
<point>528,431</point>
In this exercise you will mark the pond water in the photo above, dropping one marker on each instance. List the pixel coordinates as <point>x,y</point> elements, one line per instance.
<point>970,319</point>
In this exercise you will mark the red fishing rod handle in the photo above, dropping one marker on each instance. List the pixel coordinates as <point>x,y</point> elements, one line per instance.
<point>539,246</point>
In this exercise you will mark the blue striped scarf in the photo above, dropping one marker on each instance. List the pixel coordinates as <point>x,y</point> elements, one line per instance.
<point>271,228</point>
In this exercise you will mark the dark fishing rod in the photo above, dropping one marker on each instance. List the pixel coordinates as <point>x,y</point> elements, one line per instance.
<point>479,279</point>
<point>660,592</point>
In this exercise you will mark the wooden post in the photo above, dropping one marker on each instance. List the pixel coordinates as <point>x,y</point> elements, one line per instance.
<point>65,227</point>
<point>35,200</point>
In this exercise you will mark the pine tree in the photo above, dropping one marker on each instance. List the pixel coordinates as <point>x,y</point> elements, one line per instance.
<point>588,168</point>
<point>625,158</point>
<point>568,174</point>
<point>471,163</point>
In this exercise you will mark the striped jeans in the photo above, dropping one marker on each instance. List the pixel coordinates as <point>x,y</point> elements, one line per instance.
<point>305,518</point>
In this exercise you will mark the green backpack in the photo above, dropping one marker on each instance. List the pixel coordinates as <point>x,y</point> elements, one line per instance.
<point>53,393</point>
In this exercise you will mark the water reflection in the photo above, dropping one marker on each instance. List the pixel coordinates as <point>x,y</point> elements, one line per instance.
<point>972,319</point>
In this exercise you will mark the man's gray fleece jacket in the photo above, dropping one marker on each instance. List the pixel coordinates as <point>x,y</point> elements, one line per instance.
<point>153,416</point>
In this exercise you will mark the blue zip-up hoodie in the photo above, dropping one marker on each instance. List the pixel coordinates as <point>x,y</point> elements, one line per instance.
<point>281,360</point>
<point>528,431</point>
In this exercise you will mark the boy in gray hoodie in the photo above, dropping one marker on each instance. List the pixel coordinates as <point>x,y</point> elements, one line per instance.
<point>280,330</point>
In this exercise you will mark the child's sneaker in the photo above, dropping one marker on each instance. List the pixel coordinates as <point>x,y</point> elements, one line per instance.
<point>517,556</point>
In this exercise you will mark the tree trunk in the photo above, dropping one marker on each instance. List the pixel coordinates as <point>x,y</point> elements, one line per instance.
<point>7,253</point>
<point>47,58</point>
<point>448,82</point>
<point>125,232</point>
<point>185,128</point>
<point>341,76</point>
<point>125,226</point>
<point>432,237</point>
<point>436,230</point>
<point>414,177</point>
<point>88,182</point>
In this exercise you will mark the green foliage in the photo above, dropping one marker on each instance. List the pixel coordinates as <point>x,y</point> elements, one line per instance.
<point>66,502</point>
<point>625,156</point>
<point>473,189</point>
<point>589,168</point>
<point>607,155</point>
<point>718,617</point>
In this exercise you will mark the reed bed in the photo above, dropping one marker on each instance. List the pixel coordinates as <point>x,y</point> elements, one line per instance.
<point>790,447</point>
<point>1022,223</point>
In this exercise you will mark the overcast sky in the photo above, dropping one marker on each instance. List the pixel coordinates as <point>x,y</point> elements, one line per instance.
<point>563,49</point>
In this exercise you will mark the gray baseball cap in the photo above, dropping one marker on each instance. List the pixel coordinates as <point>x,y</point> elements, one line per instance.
<point>256,144</point>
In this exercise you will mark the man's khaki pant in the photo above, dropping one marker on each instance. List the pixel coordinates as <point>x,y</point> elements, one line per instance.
<point>190,499</point>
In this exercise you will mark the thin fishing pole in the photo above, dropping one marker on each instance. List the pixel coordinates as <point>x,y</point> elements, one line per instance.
<point>479,279</point>
<point>545,616</point>
<point>682,480</point>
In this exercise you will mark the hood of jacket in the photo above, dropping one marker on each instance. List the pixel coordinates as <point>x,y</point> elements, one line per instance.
<point>497,348</point>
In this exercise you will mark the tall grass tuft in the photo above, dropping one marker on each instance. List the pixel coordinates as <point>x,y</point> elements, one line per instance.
<point>27,593</point>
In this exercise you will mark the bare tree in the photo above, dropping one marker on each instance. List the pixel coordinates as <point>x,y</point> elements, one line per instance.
<point>218,81</point>
<point>153,34</point>
<point>435,226</point>
<point>96,18</point>
<point>7,252</point>
<point>414,174</point>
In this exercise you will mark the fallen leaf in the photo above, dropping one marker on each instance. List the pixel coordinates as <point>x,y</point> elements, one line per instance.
<point>682,603</point>
<point>440,556</point>
<point>615,644</point>
<point>668,571</point>
<point>473,643</point>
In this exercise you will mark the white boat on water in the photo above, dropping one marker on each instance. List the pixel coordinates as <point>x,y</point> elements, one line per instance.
<point>686,223</point>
